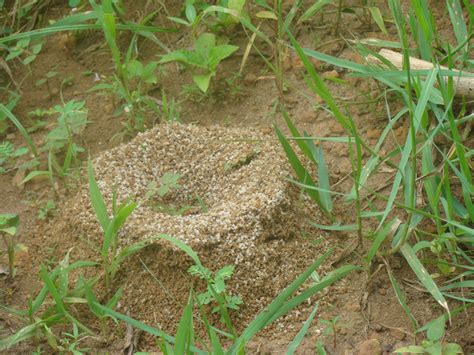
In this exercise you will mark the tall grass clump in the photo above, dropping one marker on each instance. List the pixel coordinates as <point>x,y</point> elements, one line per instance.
<point>427,213</point>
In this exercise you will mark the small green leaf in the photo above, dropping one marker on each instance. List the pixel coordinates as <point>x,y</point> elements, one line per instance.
<point>436,328</point>
<point>377,16</point>
<point>219,53</point>
<point>412,349</point>
<point>74,3</point>
<point>202,81</point>
<point>266,15</point>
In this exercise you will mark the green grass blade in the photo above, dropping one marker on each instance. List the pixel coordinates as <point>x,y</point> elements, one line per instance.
<point>459,26</point>
<point>402,299</point>
<point>379,238</point>
<point>327,281</point>
<point>214,339</point>
<point>261,320</point>
<point>301,334</point>
<point>181,245</point>
<point>97,200</point>
<point>300,141</point>
<point>335,227</point>
<point>92,302</point>
<point>289,17</point>
<point>319,87</point>
<point>377,16</point>
<point>313,9</point>
<point>299,169</point>
<point>423,275</point>
<point>115,224</point>
<point>407,150</point>
<point>146,328</point>
<point>24,333</point>
<point>445,317</point>
<point>184,332</point>
<point>80,27</point>
<point>309,187</point>
<point>20,127</point>
<point>49,283</point>
<point>323,175</point>
<point>374,160</point>
<point>111,37</point>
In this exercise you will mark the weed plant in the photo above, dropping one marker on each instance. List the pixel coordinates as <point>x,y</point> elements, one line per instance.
<point>59,142</point>
<point>203,60</point>
<point>53,306</point>
<point>111,255</point>
<point>8,228</point>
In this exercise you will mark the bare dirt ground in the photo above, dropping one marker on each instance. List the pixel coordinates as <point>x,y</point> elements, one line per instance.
<point>285,243</point>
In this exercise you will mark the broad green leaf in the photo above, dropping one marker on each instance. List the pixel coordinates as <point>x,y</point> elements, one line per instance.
<point>218,53</point>
<point>204,43</point>
<point>323,174</point>
<point>435,330</point>
<point>8,221</point>
<point>190,13</point>
<point>452,349</point>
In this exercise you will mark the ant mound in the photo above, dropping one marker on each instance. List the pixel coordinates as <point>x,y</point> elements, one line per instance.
<point>221,191</point>
<point>203,186</point>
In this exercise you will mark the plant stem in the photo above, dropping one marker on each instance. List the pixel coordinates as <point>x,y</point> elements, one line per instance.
<point>11,254</point>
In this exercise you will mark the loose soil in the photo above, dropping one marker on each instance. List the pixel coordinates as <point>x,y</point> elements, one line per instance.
<point>227,154</point>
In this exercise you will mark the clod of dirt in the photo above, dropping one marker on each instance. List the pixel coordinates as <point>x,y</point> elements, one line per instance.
<point>370,347</point>
<point>237,173</point>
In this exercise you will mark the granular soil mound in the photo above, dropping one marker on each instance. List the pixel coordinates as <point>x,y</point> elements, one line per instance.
<point>238,176</point>
<point>252,218</point>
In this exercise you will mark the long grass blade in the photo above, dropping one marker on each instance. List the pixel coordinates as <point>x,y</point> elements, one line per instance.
<point>146,328</point>
<point>97,200</point>
<point>184,331</point>
<point>301,334</point>
<point>20,127</point>
<point>269,312</point>
<point>423,275</point>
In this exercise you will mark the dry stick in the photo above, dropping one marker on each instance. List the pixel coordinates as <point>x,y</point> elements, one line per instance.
<point>463,86</point>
